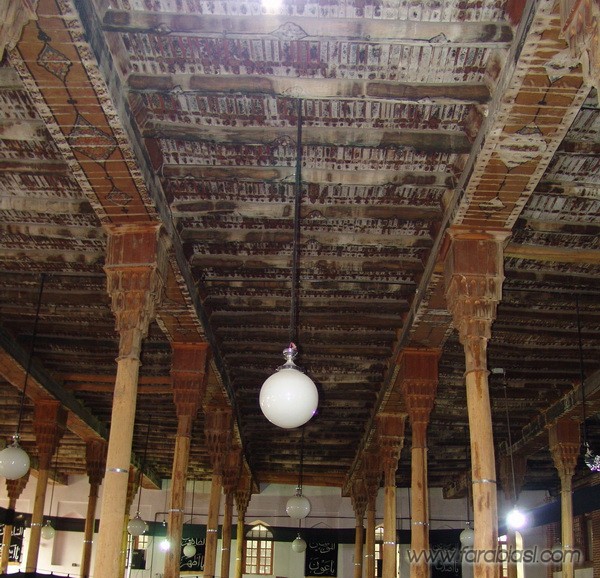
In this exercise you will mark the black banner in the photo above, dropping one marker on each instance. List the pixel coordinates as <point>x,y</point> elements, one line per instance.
<point>16,543</point>
<point>321,558</point>
<point>193,563</point>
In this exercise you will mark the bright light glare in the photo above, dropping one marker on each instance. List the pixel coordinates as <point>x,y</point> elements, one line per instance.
<point>272,5</point>
<point>515,519</point>
<point>164,545</point>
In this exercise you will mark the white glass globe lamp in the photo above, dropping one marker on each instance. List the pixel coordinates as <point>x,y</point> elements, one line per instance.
<point>14,461</point>
<point>48,532</point>
<point>289,398</point>
<point>467,536</point>
<point>298,545</point>
<point>515,519</point>
<point>298,506</point>
<point>189,550</point>
<point>137,526</point>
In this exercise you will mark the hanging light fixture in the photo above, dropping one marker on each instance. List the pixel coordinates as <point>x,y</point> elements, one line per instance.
<point>137,525</point>
<point>299,544</point>
<point>298,506</point>
<point>289,398</point>
<point>515,519</point>
<point>48,532</point>
<point>467,536</point>
<point>592,460</point>
<point>14,460</point>
<point>189,550</point>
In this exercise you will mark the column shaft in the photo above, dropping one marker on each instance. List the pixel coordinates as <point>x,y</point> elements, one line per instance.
<point>239,545</point>
<point>226,535</point>
<point>370,540</point>
<point>358,548</point>
<point>6,539</point>
<point>212,526</point>
<point>88,533</point>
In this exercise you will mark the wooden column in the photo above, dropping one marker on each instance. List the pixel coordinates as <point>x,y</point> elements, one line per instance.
<point>49,421</point>
<point>372,473</point>
<point>359,503</point>
<point>418,378</point>
<point>188,375</point>
<point>231,476</point>
<point>14,489</point>
<point>95,460</point>
<point>511,494</point>
<point>390,436</point>
<point>242,499</point>
<point>136,265</point>
<point>474,275</point>
<point>564,447</point>
<point>217,427</point>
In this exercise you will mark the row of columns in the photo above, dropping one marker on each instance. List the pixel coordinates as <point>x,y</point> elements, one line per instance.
<point>136,268</point>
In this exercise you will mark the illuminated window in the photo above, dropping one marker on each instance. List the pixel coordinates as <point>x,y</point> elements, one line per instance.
<point>258,550</point>
<point>518,546</point>
<point>378,550</point>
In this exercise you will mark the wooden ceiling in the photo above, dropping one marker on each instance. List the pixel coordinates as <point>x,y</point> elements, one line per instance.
<point>416,117</point>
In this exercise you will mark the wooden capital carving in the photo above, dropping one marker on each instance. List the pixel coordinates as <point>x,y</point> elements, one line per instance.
<point>506,475</point>
<point>232,469</point>
<point>418,378</point>
<point>136,265</point>
<point>188,376</point>
<point>243,493</point>
<point>390,437</point>
<point>16,487</point>
<point>218,423</point>
<point>95,460</point>
<point>49,422</point>
<point>581,29</point>
<point>565,445</point>
<point>359,497</point>
<point>372,474</point>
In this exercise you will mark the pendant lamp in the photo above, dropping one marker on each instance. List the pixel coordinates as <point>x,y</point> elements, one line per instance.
<point>14,460</point>
<point>515,519</point>
<point>289,398</point>
<point>48,532</point>
<point>467,536</point>
<point>189,550</point>
<point>137,525</point>
<point>298,506</point>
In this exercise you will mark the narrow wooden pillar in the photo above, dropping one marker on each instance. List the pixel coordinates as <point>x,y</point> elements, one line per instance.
<point>418,379</point>
<point>474,275</point>
<point>231,475</point>
<point>242,499</point>
<point>49,421</point>
<point>136,266</point>
<point>512,484</point>
<point>372,473</point>
<point>14,489</point>
<point>390,436</point>
<point>217,427</point>
<point>564,447</point>
<point>359,503</point>
<point>188,376</point>
<point>95,460</point>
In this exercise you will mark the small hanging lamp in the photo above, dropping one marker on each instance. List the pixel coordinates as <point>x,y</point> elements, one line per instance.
<point>289,398</point>
<point>298,506</point>
<point>467,536</point>
<point>48,532</point>
<point>189,550</point>
<point>137,525</point>
<point>14,460</point>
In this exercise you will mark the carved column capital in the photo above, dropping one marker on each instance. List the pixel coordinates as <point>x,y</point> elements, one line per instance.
<point>565,445</point>
<point>95,460</point>
<point>232,469</point>
<point>372,474</point>
<point>390,437</point>
<point>506,475</point>
<point>188,376</point>
<point>16,487</point>
<point>49,423</point>
<point>136,265</point>
<point>243,492</point>
<point>418,379</point>
<point>359,497</point>
<point>218,422</point>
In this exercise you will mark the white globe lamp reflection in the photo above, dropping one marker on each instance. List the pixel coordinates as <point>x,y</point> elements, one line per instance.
<point>189,550</point>
<point>298,507</point>
<point>48,532</point>
<point>14,461</point>
<point>137,526</point>
<point>298,545</point>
